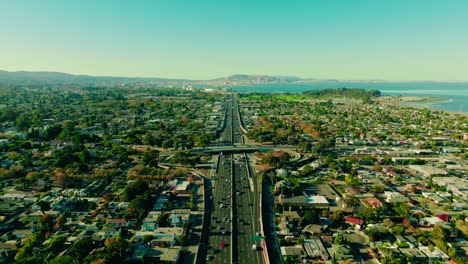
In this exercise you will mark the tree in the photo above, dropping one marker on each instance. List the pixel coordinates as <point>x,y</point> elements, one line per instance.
<point>339,239</point>
<point>141,205</point>
<point>310,217</point>
<point>440,233</point>
<point>134,189</point>
<point>398,230</point>
<point>61,220</point>
<point>351,201</point>
<point>62,260</point>
<point>368,214</point>
<point>23,122</point>
<point>462,226</point>
<point>80,249</point>
<point>338,217</point>
<point>150,158</point>
<point>401,209</point>
<point>379,188</point>
<point>25,252</point>
<point>352,180</point>
<point>62,179</point>
<point>388,222</point>
<point>46,222</point>
<point>162,219</point>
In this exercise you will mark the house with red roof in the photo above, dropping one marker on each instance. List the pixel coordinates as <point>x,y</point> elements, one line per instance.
<point>444,217</point>
<point>354,221</point>
<point>373,202</point>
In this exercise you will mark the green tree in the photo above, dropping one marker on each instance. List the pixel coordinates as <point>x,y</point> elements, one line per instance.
<point>352,180</point>
<point>401,209</point>
<point>440,233</point>
<point>134,189</point>
<point>80,249</point>
<point>339,239</point>
<point>310,217</point>
<point>150,158</point>
<point>23,122</point>
<point>351,201</point>
<point>62,260</point>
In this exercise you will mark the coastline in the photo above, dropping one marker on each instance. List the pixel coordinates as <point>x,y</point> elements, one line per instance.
<point>418,102</point>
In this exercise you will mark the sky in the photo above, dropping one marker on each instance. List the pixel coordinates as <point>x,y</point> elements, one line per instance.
<point>349,40</point>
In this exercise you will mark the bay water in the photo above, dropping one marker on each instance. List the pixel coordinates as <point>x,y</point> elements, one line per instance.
<point>454,94</point>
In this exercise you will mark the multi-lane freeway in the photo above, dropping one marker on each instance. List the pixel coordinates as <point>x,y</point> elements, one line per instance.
<point>233,225</point>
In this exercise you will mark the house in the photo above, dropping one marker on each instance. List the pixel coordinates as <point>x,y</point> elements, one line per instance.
<point>304,201</point>
<point>341,252</point>
<point>8,250</point>
<point>117,223</point>
<point>17,235</point>
<point>314,229</point>
<point>175,220</point>
<point>140,235</point>
<point>296,250</point>
<point>416,255</point>
<point>436,253</point>
<point>8,208</point>
<point>354,221</point>
<point>110,232</point>
<point>157,254</point>
<point>160,204</point>
<point>372,202</point>
<point>352,191</point>
<point>315,249</point>
<point>164,241</point>
<point>168,232</point>
<point>430,221</point>
<point>395,197</point>
<point>149,224</point>
<point>290,217</point>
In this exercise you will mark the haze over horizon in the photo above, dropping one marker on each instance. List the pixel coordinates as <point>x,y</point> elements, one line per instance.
<point>346,40</point>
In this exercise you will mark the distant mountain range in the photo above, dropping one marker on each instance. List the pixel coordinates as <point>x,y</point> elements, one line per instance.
<point>44,77</point>
<point>29,77</point>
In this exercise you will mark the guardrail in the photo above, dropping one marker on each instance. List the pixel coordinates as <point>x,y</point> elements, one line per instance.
<point>263,245</point>
<point>200,257</point>
<point>266,258</point>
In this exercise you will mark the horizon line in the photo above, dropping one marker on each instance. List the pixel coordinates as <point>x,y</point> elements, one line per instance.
<point>270,75</point>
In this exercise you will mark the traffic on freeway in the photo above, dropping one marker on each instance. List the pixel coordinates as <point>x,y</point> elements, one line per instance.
<point>234,234</point>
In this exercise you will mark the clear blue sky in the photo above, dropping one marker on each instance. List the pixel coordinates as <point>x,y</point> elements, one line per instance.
<point>348,39</point>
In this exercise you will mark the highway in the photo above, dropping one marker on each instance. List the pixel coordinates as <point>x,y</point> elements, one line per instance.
<point>220,228</point>
<point>248,213</point>
<point>234,222</point>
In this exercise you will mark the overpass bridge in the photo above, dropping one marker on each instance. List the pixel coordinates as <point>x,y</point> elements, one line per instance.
<point>246,149</point>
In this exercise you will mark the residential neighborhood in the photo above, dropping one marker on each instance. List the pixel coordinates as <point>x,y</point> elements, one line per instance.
<point>106,174</point>
<point>387,185</point>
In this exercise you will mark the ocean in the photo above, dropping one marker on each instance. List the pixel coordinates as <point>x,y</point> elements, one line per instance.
<point>455,94</point>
